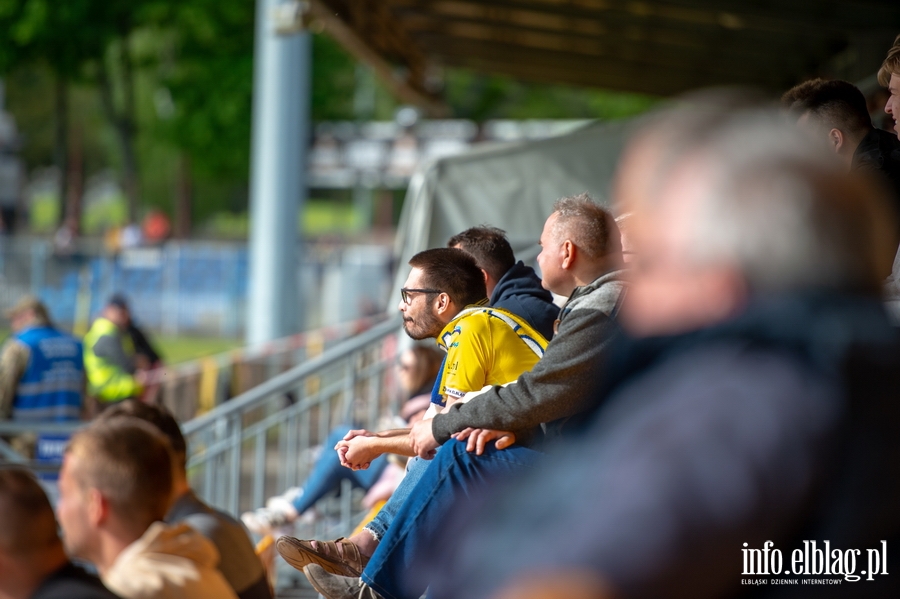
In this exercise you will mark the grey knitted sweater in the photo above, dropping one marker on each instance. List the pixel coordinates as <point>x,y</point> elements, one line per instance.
<point>562,385</point>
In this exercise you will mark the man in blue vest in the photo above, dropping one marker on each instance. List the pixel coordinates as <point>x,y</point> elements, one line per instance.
<point>41,369</point>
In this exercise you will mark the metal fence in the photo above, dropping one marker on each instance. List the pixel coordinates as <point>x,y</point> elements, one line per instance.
<point>259,443</point>
<point>191,388</point>
<point>188,287</point>
<point>263,441</point>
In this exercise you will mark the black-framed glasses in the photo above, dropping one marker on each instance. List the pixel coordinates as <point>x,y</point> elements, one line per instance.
<point>404,293</point>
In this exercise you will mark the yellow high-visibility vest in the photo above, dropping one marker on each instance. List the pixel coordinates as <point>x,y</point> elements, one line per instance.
<point>108,382</point>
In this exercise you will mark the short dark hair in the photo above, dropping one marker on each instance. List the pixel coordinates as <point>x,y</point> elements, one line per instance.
<point>118,300</point>
<point>27,523</point>
<point>130,462</point>
<point>490,248</point>
<point>591,228</point>
<point>452,271</point>
<point>836,103</point>
<point>158,416</point>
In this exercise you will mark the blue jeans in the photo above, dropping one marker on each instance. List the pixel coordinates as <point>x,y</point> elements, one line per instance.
<point>451,477</point>
<point>327,473</point>
<point>379,525</point>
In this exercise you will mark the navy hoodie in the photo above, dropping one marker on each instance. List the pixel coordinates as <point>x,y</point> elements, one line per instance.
<point>520,292</point>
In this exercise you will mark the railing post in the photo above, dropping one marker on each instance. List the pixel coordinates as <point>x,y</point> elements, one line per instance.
<point>233,498</point>
<point>346,505</point>
<point>259,468</point>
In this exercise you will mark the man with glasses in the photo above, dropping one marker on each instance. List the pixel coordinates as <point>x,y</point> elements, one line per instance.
<point>581,258</point>
<point>444,298</point>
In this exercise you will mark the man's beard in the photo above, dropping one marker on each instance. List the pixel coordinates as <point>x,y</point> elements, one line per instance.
<point>426,326</point>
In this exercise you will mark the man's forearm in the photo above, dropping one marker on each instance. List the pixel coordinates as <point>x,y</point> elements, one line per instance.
<point>394,432</point>
<point>398,444</point>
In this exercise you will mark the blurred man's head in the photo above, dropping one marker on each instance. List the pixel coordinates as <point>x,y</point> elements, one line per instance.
<point>889,76</point>
<point>160,418</point>
<point>28,312</point>
<point>834,110</point>
<point>491,250</point>
<point>580,242</point>
<point>417,367</point>
<point>30,548</point>
<point>116,480</point>
<point>622,221</point>
<point>117,312</point>
<point>441,283</point>
<point>741,205</point>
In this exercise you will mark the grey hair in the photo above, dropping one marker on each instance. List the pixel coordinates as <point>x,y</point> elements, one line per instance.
<point>782,210</point>
<point>588,225</point>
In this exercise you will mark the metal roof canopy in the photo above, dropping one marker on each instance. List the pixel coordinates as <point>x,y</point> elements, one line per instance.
<point>659,47</point>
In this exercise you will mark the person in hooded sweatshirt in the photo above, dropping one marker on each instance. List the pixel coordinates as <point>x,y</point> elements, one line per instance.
<point>115,487</point>
<point>510,285</point>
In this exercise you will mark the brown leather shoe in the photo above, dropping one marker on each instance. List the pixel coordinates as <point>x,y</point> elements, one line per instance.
<point>338,587</point>
<point>346,561</point>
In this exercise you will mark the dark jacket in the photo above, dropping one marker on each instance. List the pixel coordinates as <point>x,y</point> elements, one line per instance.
<point>71,582</point>
<point>879,152</point>
<point>779,425</point>
<point>520,292</point>
<point>562,384</point>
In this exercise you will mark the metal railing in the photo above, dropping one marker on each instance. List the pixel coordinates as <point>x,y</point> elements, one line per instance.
<point>12,429</point>
<point>260,443</point>
<point>191,388</point>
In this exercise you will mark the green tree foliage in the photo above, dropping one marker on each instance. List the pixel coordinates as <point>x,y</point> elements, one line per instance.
<point>63,34</point>
<point>206,72</point>
<point>204,93</point>
<point>174,80</point>
<point>480,97</point>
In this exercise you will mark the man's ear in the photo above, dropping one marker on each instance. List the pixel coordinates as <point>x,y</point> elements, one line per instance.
<point>568,251</point>
<point>97,507</point>
<point>836,138</point>
<point>442,303</point>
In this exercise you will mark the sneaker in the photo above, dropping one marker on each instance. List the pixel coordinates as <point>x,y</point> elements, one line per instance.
<point>286,500</point>
<point>266,520</point>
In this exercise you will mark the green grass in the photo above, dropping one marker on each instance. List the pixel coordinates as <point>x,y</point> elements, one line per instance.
<point>182,349</point>
<point>319,217</point>
<point>44,214</point>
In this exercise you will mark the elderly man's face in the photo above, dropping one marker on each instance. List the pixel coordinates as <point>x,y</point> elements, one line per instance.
<point>670,293</point>
<point>550,260</point>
